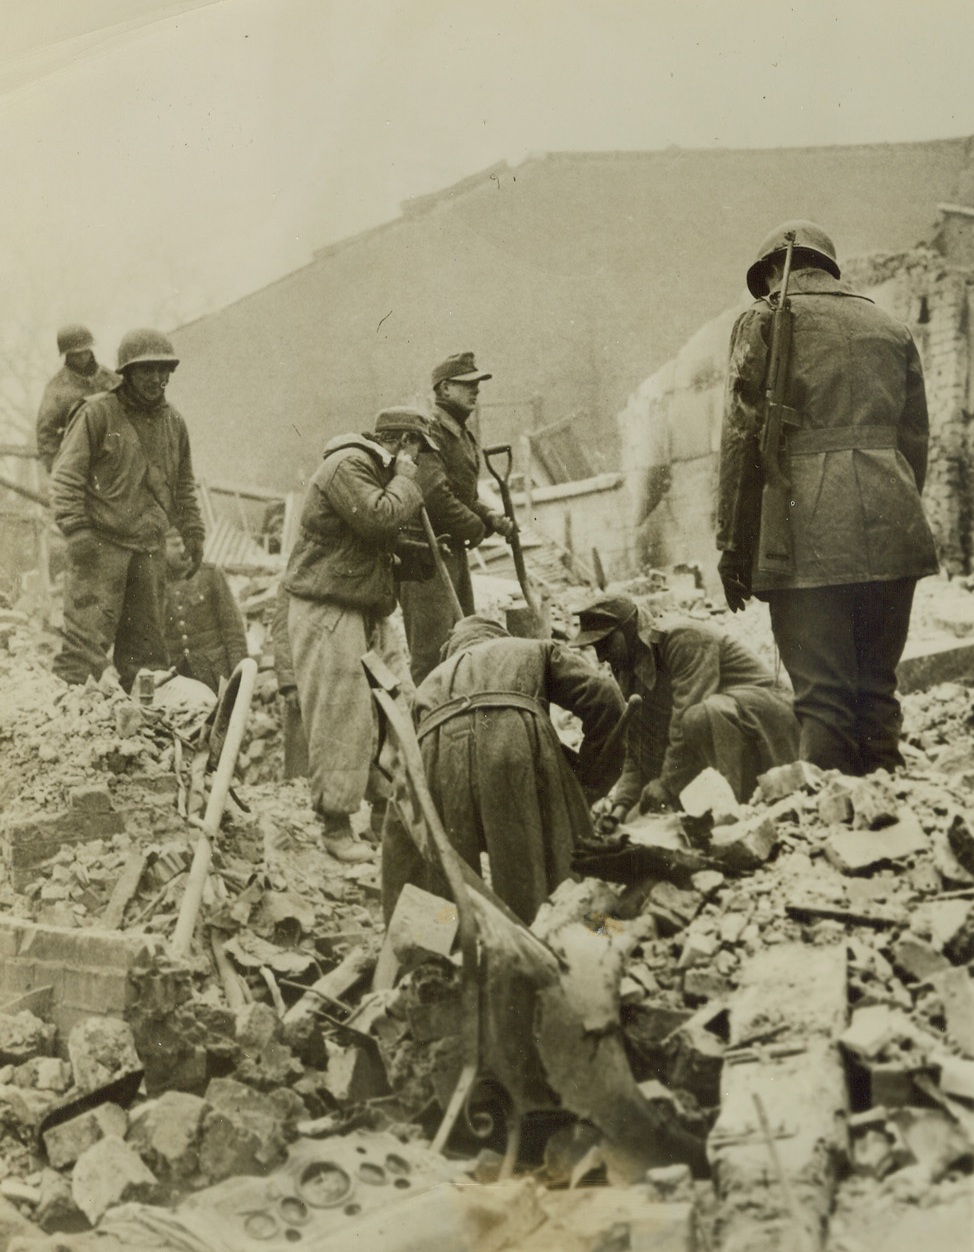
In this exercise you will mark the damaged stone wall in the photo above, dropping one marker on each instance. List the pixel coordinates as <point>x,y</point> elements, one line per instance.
<point>670,428</point>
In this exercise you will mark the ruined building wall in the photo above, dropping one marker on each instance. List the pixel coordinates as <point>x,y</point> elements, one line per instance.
<point>670,428</point>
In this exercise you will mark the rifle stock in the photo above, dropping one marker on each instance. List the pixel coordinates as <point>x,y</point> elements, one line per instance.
<point>775,540</point>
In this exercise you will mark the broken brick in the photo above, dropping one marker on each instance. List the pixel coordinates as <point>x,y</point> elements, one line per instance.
<point>66,1141</point>
<point>32,842</point>
<point>93,799</point>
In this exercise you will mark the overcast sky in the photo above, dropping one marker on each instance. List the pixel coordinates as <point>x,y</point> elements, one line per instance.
<point>163,156</point>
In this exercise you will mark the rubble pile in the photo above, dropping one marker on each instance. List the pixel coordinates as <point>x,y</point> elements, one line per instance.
<point>726,997</point>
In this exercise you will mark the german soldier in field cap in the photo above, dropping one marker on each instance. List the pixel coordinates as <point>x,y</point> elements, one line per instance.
<point>340,581</point>
<point>448,480</point>
<point>853,457</point>
<point>124,475</point>
<point>706,701</point>
<point>80,376</point>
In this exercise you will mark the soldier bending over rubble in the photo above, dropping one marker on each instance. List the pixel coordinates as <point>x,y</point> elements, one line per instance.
<point>499,778</point>
<point>706,701</point>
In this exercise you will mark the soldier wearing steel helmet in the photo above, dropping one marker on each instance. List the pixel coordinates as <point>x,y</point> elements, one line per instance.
<point>79,377</point>
<point>855,462</point>
<point>124,475</point>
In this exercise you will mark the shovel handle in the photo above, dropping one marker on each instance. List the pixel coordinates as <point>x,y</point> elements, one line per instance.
<point>441,571</point>
<point>502,476</point>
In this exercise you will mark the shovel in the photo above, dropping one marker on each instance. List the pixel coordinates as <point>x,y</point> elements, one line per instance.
<point>502,476</point>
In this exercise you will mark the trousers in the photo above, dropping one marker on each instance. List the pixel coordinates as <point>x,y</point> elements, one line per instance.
<point>742,732</point>
<point>841,646</point>
<point>429,615</point>
<point>328,642</point>
<point>114,602</point>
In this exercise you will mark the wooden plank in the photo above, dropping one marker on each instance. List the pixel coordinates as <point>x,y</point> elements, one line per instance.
<point>125,888</point>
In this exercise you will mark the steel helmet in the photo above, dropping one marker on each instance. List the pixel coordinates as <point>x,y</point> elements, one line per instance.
<point>808,238</point>
<point>74,338</point>
<point>145,345</point>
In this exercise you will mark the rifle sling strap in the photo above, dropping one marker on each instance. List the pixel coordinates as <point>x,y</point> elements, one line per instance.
<point>806,442</point>
<point>482,700</point>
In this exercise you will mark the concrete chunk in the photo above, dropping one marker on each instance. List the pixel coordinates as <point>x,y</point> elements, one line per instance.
<point>101,1049</point>
<point>785,780</point>
<point>65,1142</point>
<point>355,1074</point>
<point>166,1134</point>
<point>422,925</point>
<point>744,845</point>
<point>873,1028</point>
<point>23,1036</point>
<point>109,1173</point>
<point>57,1211</point>
<point>957,994</point>
<point>710,792</point>
<point>874,804</point>
<point>854,851</point>
<point>917,959</point>
<point>835,803</point>
<point>245,1131</point>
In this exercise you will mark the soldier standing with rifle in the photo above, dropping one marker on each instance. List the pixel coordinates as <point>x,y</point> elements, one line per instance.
<point>823,458</point>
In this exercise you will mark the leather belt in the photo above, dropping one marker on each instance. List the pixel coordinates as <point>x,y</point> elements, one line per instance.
<point>805,442</point>
<point>480,700</point>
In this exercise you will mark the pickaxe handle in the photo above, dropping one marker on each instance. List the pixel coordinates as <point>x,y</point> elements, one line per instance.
<point>502,476</point>
<point>441,571</point>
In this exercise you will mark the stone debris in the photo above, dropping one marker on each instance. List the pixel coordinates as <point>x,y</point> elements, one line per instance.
<point>815,942</point>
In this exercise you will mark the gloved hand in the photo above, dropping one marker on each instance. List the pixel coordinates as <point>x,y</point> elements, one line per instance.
<point>194,555</point>
<point>501,523</point>
<point>655,798</point>
<point>735,574</point>
<point>606,815</point>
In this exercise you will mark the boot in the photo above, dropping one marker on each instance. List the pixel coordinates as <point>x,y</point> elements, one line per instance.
<point>339,841</point>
